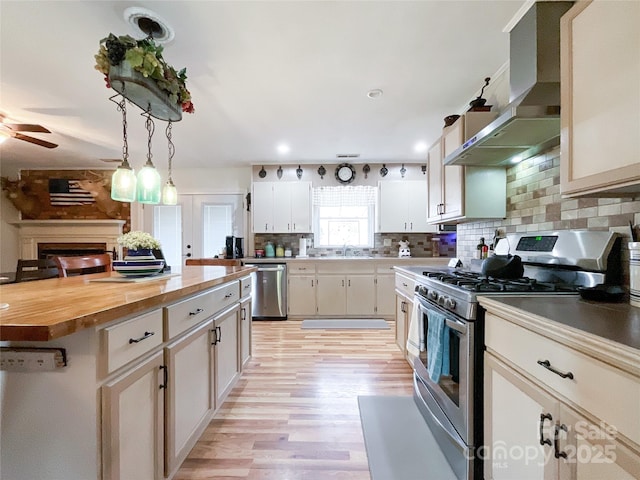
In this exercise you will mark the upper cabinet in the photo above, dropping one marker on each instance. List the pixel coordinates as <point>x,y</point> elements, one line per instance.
<point>600,116</point>
<point>403,207</point>
<point>281,207</point>
<point>463,193</point>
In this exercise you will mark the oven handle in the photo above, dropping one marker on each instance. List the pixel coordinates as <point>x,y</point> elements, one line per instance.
<point>453,324</point>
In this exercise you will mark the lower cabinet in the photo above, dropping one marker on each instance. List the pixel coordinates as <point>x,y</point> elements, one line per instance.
<point>346,295</point>
<point>245,331</point>
<point>301,295</point>
<point>385,297</point>
<point>544,438</point>
<point>332,295</point>
<point>132,420</point>
<point>189,393</point>
<point>226,352</point>
<point>403,317</point>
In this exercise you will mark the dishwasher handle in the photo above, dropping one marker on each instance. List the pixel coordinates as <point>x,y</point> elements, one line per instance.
<point>270,268</point>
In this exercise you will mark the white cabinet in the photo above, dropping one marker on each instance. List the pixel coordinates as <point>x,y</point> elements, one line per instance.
<point>404,289</point>
<point>301,294</point>
<point>385,297</point>
<point>226,352</point>
<point>332,294</point>
<point>403,207</point>
<point>360,295</point>
<point>188,393</point>
<point>132,413</point>
<point>568,424</point>
<point>281,207</point>
<point>245,332</point>
<point>600,118</point>
<point>463,193</point>
<point>346,294</point>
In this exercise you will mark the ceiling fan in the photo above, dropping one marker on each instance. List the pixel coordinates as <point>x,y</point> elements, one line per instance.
<point>13,130</point>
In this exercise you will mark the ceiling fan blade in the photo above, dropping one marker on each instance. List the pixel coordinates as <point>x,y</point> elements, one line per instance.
<point>37,141</point>
<point>26,127</point>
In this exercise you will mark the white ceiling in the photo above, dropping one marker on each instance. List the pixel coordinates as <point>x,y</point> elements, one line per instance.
<point>260,73</point>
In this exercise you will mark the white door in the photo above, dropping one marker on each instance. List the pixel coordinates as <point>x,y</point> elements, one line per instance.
<point>197,226</point>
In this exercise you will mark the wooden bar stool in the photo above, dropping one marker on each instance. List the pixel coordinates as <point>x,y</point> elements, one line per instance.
<point>84,264</point>
<point>27,270</point>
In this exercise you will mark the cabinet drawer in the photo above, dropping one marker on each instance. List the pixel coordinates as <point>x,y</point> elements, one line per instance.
<point>346,267</point>
<point>605,391</point>
<point>131,339</point>
<point>303,268</point>
<point>405,285</point>
<point>183,315</point>
<point>245,286</point>
<point>385,267</point>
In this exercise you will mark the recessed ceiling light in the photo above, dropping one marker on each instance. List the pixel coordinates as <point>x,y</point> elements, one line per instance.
<point>283,148</point>
<point>420,147</point>
<point>145,21</point>
<point>375,93</point>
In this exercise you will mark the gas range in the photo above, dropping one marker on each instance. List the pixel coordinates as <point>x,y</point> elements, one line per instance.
<point>555,263</point>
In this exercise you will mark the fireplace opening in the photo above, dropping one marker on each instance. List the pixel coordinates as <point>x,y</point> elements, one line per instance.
<point>49,250</point>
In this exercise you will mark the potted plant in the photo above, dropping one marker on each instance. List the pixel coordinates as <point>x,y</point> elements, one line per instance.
<point>139,245</point>
<point>124,57</point>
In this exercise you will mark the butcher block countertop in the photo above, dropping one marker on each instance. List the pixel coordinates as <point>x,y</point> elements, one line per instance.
<point>47,309</point>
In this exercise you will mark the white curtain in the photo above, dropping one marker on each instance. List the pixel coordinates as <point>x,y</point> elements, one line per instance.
<point>347,196</point>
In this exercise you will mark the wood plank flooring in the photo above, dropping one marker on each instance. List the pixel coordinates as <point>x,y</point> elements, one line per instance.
<point>294,414</point>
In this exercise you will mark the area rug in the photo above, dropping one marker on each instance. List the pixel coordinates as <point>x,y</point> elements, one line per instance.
<point>399,444</point>
<point>350,323</point>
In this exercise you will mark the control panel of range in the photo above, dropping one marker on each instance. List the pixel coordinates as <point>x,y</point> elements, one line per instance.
<point>441,299</point>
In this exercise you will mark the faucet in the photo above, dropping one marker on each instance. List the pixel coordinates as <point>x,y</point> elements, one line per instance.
<point>345,247</point>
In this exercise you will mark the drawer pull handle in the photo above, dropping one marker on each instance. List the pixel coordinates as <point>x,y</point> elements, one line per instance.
<point>215,336</point>
<point>219,334</point>
<point>196,312</point>
<point>547,364</point>
<point>247,286</point>
<point>243,313</point>
<point>543,417</point>
<point>404,285</point>
<point>165,372</point>
<point>228,295</point>
<point>556,444</point>
<point>144,337</point>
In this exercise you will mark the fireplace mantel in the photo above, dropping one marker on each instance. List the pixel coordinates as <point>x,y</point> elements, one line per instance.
<point>32,232</point>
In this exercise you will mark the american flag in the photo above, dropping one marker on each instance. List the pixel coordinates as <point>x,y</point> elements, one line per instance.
<point>63,193</point>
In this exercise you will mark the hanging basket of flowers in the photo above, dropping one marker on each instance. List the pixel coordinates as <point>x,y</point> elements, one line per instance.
<point>136,70</point>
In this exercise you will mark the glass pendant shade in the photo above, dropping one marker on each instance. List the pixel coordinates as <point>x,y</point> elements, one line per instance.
<point>169,193</point>
<point>123,183</point>
<point>149,184</point>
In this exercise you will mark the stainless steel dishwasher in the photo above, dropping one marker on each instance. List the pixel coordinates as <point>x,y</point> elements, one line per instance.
<point>269,292</point>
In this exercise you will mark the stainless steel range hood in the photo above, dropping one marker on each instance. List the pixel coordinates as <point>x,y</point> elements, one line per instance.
<point>531,122</point>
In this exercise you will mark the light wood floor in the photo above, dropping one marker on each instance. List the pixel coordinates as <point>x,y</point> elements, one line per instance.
<point>294,413</point>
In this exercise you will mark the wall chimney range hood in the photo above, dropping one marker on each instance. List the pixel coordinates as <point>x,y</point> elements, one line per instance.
<point>530,124</point>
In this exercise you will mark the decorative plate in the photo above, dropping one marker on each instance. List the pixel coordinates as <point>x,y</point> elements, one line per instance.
<point>138,268</point>
<point>345,173</point>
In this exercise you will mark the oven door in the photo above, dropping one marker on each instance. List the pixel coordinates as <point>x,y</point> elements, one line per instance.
<point>453,390</point>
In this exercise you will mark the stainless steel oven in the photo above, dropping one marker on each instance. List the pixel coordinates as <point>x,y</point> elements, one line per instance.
<point>446,332</point>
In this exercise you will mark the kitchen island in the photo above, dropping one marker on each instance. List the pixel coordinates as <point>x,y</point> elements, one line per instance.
<point>132,372</point>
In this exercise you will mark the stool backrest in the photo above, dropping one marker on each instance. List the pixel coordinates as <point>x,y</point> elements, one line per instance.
<point>83,264</point>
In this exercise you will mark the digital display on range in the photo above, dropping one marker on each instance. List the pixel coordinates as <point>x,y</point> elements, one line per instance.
<point>538,243</point>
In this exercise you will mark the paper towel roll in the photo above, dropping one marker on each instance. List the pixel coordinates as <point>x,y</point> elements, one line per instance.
<point>303,248</point>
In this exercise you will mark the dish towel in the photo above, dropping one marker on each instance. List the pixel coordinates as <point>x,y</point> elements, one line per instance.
<point>437,346</point>
<point>415,337</point>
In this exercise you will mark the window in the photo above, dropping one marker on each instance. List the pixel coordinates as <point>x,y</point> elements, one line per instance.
<point>344,216</point>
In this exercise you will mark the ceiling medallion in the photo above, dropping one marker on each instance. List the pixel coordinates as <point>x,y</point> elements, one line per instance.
<point>345,173</point>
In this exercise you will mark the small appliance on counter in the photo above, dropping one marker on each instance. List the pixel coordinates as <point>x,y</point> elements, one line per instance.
<point>234,247</point>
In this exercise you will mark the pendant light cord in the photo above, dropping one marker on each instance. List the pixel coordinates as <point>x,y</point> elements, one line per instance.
<point>122,106</point>
<point>172,148</point>
<point>150,126</point>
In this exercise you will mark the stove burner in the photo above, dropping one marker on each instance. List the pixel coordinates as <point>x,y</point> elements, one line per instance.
<point>476,282</point>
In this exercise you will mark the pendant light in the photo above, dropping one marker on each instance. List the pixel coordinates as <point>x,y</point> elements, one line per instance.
<point>169,192</point>
<point>123,180</point>
<point>149,182</point>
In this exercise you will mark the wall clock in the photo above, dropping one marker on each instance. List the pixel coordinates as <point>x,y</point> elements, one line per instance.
<point>345,173</point>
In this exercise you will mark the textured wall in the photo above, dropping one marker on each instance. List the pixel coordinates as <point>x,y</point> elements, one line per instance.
<point>534,204</point>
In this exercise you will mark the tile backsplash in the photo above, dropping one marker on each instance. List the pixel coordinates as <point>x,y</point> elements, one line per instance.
<point>534,204</point>
<point>421,245</point>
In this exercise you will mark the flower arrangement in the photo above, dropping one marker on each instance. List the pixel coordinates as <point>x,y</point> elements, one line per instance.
<point>145,57</point>
<point>137,240</point>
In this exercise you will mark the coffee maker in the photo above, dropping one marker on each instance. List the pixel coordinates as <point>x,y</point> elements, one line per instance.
<point>234,247</point>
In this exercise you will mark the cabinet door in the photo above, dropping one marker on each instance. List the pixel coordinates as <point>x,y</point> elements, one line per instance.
<point>417,201</point>
<point>517,416</point>
<point>302,294</point>
<point>301,207</point>
<point>361,295</point>
<point>282,207</point>
<point>188,396</point>
<point>245,332</point>
<point>592,450</point>
<point>132,426</point>
<point>434,178</point>
<point>393,206</point>
<point>401,322</point>
<point>452,191</point>
<point>331,295</point>
<point>385,295</point>
<point>227,356</point>
<point>262,207</point>
<point>600,117</point>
